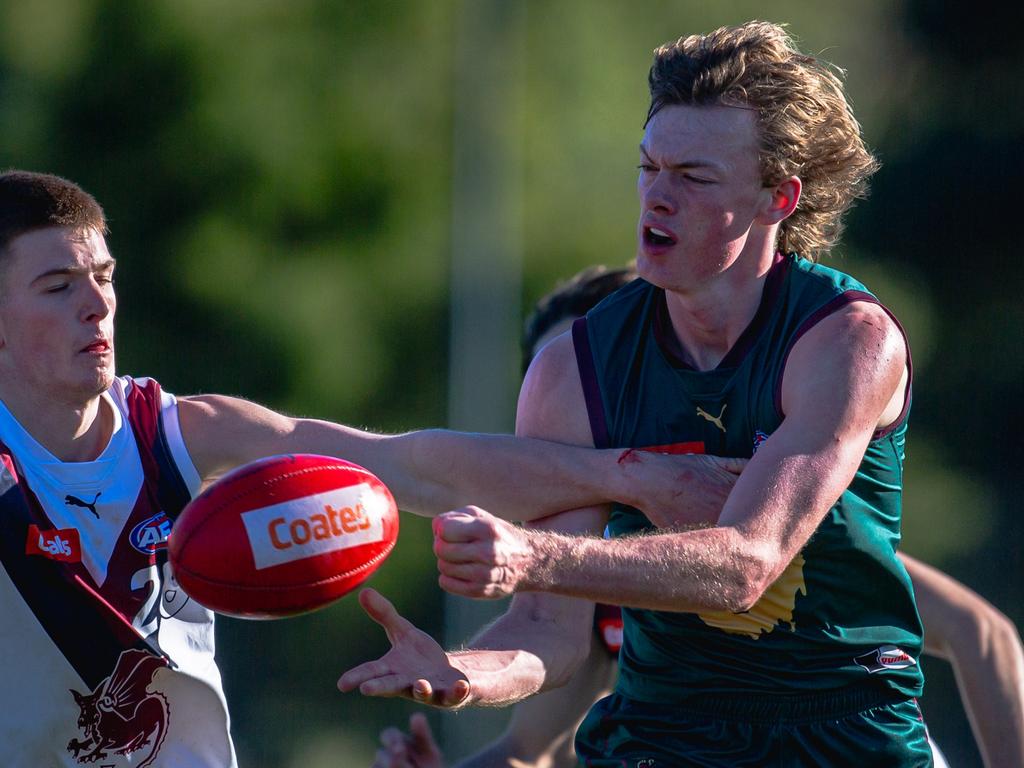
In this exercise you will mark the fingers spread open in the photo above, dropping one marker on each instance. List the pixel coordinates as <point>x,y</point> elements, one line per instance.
<point>386,686</point>
<point>380,609</point>
<point>356,676</point>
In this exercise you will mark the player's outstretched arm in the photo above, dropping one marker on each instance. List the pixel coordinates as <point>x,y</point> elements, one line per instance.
<point>432,471</point>
<point>842,380</point>
<point>539,735</point>
<point>415,667</point>
<point>523,652</point>
<point>985,650</point>
<point>537,644</point>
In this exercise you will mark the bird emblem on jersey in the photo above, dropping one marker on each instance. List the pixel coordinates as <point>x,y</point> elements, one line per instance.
<point>122,715</point>
<point>74,501</point>
<point>716,420</point>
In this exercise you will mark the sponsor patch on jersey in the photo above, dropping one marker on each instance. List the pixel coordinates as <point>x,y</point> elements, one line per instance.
<point>885,657</point>
<point>316,524</point>
<point>694,446</point>
<point>151,534</point>
<point>60,544</point>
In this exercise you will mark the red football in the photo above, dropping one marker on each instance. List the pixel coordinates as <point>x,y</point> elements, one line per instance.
<point>282,536</point>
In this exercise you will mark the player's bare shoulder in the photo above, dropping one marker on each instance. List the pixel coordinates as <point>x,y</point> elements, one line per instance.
<point>223,432</point>
<point>857,356</point>
<point>551,402</point>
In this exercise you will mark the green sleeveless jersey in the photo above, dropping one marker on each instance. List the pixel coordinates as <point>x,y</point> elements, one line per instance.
<point>843,611</point>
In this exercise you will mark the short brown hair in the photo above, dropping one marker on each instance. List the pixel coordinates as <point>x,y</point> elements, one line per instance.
<point>805,123</point>
<point>30,201</point>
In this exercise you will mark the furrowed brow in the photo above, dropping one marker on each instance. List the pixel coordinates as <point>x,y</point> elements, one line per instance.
<point>105,265</point>
<point>685,165</point>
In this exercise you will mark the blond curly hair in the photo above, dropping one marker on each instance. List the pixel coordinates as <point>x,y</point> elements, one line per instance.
<point>805,123</point>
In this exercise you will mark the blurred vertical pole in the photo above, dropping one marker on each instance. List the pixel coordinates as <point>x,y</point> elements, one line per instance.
<point>485,272</point>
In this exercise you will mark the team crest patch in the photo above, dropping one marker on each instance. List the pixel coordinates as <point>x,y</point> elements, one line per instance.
<point>885,657</point>
<point>759,437</point>
<point>122,722</point>
<point>151,534</point>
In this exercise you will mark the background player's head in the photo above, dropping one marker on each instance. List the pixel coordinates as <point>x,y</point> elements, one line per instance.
<point>554,312</point>
<point>805,125</point>
<point>56,292</point>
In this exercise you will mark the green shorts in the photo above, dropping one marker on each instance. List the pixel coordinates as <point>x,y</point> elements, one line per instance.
<point>864,727</point>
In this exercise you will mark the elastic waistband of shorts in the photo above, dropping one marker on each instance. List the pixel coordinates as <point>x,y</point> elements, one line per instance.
<point>809,707</point>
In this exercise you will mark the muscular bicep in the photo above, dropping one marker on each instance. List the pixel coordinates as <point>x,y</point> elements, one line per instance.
<point>222,432</point>
<point>551,406</point>
<point>551,403</point>
<point>839,380</point>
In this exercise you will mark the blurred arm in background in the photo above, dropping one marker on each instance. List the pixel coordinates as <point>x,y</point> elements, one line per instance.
<point>985,650</point>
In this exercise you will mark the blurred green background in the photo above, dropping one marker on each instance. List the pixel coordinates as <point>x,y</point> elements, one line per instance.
<point>279,182</point>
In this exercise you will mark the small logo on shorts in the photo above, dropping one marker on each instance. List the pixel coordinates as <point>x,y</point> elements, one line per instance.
<point>886,657</point>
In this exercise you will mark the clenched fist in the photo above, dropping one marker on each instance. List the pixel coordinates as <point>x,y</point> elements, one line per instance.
<point>480,555</point>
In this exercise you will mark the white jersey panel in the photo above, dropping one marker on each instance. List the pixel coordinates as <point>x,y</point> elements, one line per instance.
<point>181,718</point>
<point>94,497</point>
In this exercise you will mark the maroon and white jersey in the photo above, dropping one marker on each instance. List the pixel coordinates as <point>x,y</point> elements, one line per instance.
<point>105,661</point>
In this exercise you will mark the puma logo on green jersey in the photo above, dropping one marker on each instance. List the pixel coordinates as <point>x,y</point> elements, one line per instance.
<point>716,420</point>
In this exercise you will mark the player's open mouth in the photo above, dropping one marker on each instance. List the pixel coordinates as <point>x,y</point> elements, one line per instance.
<point>658,237</point>
<point>97,347</point>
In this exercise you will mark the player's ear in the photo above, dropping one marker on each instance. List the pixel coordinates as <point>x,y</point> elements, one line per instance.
<point>781,200</point>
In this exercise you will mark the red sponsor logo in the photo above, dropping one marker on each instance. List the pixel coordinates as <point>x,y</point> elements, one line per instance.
<point>694,446</point>
<point>61,544</point>
<point>121,716</point>
<point>332,523</point>
<point>629,456</point>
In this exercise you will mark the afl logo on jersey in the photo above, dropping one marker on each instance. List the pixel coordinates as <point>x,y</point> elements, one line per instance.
<point>151,534</point>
